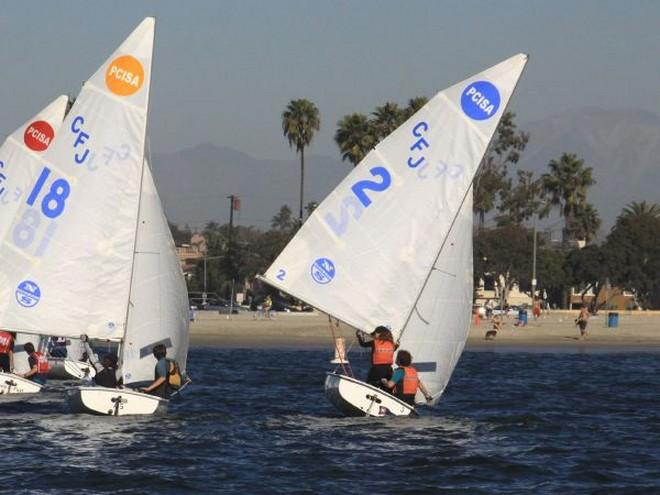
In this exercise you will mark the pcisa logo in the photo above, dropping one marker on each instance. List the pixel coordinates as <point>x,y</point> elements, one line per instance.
<point>28,294</point>
<point>480,100</point>
<point>323,271</point>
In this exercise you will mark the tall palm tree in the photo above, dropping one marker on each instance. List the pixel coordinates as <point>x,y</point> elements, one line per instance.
<point>586,222</point>
<point>300,121</point>
<point>355,137</point>
<point>414,104</point>
<point>643,209</point>
<point>567,184</point>
<point>386,119</point>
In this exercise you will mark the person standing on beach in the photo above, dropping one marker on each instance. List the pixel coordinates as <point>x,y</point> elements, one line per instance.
<point>581,322</point>
<point>268,304</point>
<point>7,351</point>
<point>382,354</point>
<point>405,380</point>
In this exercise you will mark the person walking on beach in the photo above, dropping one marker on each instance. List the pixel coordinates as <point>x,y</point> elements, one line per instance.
<point>268,304</point>
<point>38,364</point>
<point>382,354</point>
<point>167,376</point>
<point>581,322</point>
<point>7,351</point>
<point>405,380</point>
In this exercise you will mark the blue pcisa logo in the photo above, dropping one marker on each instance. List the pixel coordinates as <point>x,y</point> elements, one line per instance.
<point>480,100</point>
<point>28,294</point>
<point>323,271</point>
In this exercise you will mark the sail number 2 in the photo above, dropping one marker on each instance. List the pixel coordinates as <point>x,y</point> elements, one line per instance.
<point>354,204</point>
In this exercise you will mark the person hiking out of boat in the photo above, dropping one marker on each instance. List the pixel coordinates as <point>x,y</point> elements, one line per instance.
<point>38,364</point>
<point>382,354</point>
<point>7,351</point>
<point>405,380</point>
<point>107,377</point>
<point>581,321</point>
<point>167,376</point>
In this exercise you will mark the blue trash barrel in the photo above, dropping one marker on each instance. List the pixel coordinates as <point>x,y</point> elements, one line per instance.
<point>612,320</point>
<point>522,316</point>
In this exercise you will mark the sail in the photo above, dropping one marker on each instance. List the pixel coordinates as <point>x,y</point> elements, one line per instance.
<point>438,327</point>
<point>20,160</point>
<point>67,257</point>
<point>158,310</point>
<point>365,253</point>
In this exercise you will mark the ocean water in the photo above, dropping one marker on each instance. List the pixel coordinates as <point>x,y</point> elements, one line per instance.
<point>257,422</point>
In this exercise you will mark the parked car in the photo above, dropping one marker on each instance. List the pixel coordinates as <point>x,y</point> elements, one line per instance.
<point>507,310</point>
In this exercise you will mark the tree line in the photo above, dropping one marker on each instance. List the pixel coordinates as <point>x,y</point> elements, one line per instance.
<point>506,197</point>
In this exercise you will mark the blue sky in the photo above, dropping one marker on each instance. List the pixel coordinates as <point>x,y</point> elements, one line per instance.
<point>224,71</point>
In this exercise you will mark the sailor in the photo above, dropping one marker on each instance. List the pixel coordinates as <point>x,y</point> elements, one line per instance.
<point>38,364</point>
<point>107,377</point>
<point>7,351</point>
<point>405,381</point>
<point>382,354</point>
<point>167,376</point>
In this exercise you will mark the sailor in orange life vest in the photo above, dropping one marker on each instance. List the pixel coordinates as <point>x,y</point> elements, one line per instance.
<point>7,351</point>
<point>382,354</point>
<point>38,365</point>
<point>405,381</point>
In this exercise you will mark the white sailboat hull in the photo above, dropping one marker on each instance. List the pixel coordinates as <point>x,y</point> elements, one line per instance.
<point>68,369</point>
<point>114,402</point>
<point>14,386</point>
<point>355,398</point>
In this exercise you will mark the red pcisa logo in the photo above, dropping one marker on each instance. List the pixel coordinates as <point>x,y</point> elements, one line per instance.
<point>38,135</point>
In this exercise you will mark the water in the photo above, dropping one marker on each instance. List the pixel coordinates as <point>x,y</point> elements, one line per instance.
<point>257,422</point>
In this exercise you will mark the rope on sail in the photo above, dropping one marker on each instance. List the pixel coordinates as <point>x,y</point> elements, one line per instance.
<point>346,367</point>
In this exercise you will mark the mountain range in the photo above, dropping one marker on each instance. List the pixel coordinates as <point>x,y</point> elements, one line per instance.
<point>622,147</point>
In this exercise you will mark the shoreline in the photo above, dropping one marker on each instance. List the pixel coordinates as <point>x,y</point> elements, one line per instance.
<point>556,331</point>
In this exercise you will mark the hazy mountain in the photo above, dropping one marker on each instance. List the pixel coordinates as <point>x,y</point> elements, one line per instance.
<point>622,146</point>
<point>194,184</point>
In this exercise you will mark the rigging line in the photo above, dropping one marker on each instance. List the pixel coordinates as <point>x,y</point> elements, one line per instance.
<point>467,191</point>
<point>349,371</point>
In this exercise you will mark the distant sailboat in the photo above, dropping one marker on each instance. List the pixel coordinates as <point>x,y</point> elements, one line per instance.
<point>87,203</point>
<point>392,244</point>
<point>20,163</point>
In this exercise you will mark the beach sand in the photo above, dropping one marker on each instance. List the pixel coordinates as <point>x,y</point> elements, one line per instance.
<point>312,330</point>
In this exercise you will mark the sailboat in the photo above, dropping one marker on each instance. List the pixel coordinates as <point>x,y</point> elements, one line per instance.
<point>392,243</point>
<point>20,160</point>
<point>87,205</point>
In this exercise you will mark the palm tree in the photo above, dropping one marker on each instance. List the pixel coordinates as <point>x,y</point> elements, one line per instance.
<point>643,209</point>
<point>567,184</point>
<point>586,222</point>
<point>414,104</point>
<point>355,137</point>
<point>300,120</point>
<point>386,119</point>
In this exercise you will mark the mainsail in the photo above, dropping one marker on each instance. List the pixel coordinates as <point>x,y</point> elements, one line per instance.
<point>67,256</point>
<point>158,311</point>
<point>392,244</point>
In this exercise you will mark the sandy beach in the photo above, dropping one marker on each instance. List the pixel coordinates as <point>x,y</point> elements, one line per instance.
<point>635,330</point>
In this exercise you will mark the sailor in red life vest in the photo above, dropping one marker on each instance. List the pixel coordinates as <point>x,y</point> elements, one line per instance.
<point>7,351</point>
<point>38,365</point>
<point>405,381</point>
<point>382,354</point>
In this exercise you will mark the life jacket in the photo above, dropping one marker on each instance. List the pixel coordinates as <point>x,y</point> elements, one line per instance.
<point>174,378</point>
<point>42,363</point>
<point>6,340</point>
<point>410,380</point>
<point>383,352</point>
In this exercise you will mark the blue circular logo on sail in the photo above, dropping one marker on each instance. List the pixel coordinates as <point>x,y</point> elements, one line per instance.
<point>323,271</point>
<point>480,100</point>
<point>28,294</point>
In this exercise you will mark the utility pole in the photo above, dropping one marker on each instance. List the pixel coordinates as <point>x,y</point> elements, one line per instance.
<point>534,265</point>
